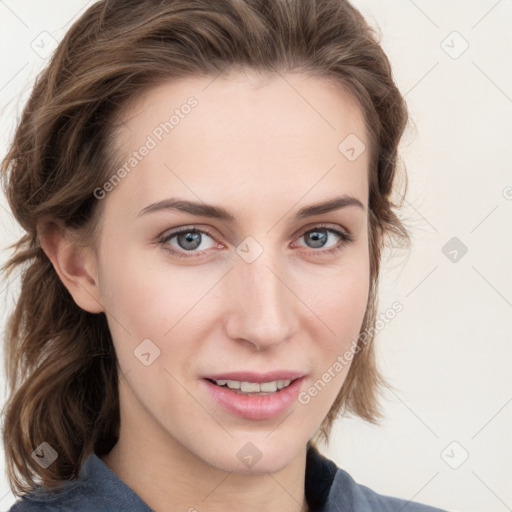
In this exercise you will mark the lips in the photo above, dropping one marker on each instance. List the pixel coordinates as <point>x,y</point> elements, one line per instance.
<point>257,406</point>
<point>256,377</point>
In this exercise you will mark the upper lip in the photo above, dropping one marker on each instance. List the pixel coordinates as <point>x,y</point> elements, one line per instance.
<point>256,377</point>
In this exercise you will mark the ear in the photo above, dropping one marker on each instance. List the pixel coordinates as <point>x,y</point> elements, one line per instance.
<point>75,264</point>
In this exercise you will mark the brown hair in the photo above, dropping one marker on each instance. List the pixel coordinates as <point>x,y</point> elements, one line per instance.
<point>60,361</point>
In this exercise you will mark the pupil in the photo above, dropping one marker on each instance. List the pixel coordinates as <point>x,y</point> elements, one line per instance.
<point>191,240</point>
<point>317,237</point>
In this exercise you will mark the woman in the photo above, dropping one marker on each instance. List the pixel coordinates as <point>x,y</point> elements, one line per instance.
<point>206,189</point>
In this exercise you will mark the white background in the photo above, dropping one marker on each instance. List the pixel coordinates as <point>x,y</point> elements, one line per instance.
<point>448,353</point>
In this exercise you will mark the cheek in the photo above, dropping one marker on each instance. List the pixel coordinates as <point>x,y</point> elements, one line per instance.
<point>139,292</point>
<point>147,298</point>
<point>343,305</point>
<point>342,308</point>
<point>352,299</point>
<point>340,299</point>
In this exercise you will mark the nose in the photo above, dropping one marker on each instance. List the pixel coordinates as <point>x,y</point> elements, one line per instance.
<point>261,308</point>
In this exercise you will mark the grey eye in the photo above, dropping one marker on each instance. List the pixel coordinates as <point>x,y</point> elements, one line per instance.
<point>189,240</point>
<point>318,237</point>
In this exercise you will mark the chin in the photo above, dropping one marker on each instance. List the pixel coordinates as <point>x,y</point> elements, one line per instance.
<point>254,454</point>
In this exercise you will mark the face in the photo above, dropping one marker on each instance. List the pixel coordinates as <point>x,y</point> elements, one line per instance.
<point>260,294</point>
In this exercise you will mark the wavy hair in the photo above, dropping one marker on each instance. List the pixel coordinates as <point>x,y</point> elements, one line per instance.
<point>60,361</point>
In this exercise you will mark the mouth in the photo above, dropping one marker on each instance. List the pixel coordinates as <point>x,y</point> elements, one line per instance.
<point>255,396</point>
<point>253,388</point>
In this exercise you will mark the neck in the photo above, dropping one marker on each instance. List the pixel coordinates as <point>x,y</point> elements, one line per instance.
<point>181,482</point>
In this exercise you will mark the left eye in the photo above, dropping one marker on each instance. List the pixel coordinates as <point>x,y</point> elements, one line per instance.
<point>190,239</point>
<point>319,235</point>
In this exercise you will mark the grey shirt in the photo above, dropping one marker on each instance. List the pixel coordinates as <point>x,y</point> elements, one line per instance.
<point>98,489</point>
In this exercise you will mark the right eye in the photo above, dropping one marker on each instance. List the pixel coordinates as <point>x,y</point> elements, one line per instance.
<point>187,241</point>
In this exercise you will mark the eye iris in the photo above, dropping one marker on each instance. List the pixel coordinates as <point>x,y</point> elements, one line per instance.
<point>318,237</point>
<point>191,239</point>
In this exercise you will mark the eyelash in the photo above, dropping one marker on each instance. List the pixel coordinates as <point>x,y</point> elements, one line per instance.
<point>346,238</point>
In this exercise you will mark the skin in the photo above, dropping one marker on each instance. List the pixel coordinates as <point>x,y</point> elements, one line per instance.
<point>254,146</point>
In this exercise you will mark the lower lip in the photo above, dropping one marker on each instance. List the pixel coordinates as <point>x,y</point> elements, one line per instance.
<point>255,407</point>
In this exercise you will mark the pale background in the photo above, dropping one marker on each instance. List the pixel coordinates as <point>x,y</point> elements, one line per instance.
<point>448,353</point>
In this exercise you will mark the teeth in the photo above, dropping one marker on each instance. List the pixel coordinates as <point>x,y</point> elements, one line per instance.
<point>254,387</point>
<point>248,387</point>
<point>233,384</point>
<point>269,386</point>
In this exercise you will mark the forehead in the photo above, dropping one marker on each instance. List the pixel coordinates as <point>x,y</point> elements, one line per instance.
<point>243,135</point>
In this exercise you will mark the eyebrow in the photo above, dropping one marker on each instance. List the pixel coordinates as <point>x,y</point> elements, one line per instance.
<point>217,212</point>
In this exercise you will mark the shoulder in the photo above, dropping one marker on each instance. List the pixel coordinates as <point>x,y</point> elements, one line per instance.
<point>76,497</point>
<point>24,505</point>
<point>97,489</point>
<point>330,488</point>
<point>347,494</point>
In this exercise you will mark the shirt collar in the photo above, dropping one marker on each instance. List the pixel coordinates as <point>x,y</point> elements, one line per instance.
<point>320,476</point>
